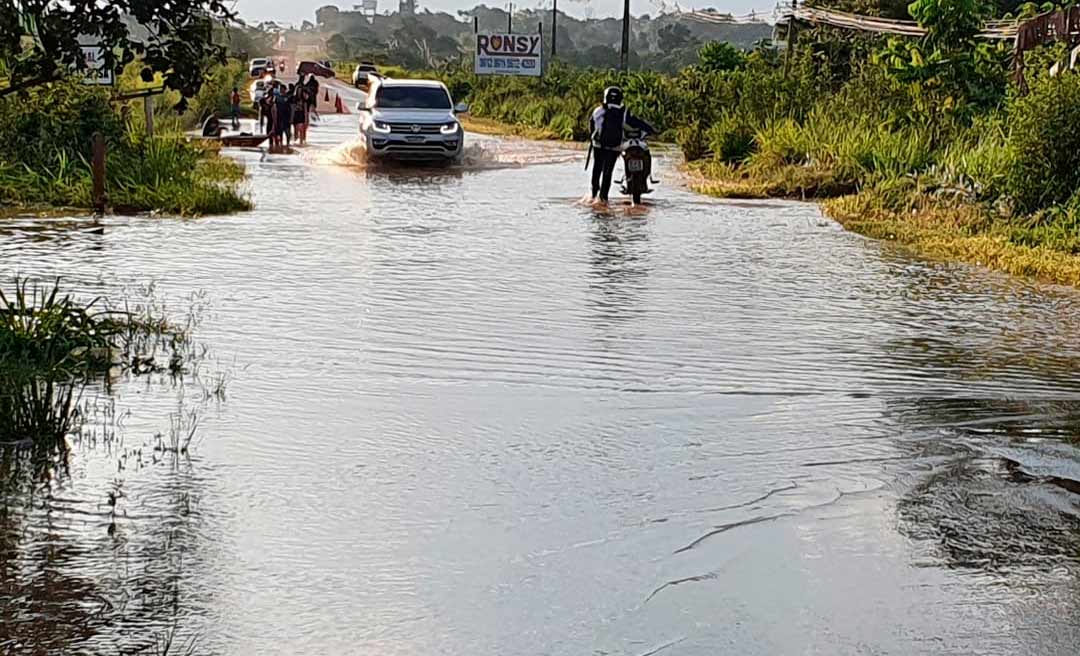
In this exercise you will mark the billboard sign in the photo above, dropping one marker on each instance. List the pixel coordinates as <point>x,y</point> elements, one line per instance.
<point>94,69</point>
<point>509,54</point>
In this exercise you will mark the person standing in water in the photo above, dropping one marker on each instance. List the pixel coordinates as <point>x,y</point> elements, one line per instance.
<point>313,96</point>
<point>282,116</point>
<point>299,114</point>
<point>606,125</point>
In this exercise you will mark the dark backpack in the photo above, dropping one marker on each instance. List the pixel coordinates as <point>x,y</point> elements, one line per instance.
<point>609,134</point>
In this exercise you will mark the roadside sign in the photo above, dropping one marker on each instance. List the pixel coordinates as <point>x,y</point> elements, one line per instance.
<point>371,6</point>
<point>509,54</point>
<point>95,71</point>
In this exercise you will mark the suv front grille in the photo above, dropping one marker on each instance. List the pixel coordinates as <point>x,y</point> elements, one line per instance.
<point>407,128</point>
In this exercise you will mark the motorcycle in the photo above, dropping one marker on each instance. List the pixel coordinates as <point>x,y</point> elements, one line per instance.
<point>637,167</point>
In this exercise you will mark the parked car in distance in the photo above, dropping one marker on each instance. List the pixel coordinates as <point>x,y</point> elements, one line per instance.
<point>411,119</point>
<point>257,91</point>
<point>361,76</point>
<point>318,69</point>
<point>260,66</point>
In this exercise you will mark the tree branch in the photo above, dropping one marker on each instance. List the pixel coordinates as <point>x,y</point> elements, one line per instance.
<point>28,83</point>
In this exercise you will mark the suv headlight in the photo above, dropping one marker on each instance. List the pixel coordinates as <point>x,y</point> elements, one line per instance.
<point>381,126</point>
<point>450,128</point>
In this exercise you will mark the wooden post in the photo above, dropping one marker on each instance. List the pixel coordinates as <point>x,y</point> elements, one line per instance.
<point>98,169</point>
<point>148,108</point>
<point>624,57</point>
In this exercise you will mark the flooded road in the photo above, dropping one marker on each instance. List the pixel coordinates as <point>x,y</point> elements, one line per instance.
<point>451,412</point>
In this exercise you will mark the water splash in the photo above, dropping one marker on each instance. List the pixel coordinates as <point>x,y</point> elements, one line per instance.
<point>480,154</point>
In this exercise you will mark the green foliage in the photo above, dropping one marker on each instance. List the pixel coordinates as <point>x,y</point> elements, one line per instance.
<point>731,139</point>
<point>61,118</point>
<point>213,95</point>
<point>50,132</point>
<point>52,343</point>
<point>949,63</point>
<point>717,56</point>
<point>977,162</point>
<point>1043,143</point>
<point>338,47</point>
<point>950,24</point>
<point>46,334</point>
<point>1057,227</point>
<point>40,41</point>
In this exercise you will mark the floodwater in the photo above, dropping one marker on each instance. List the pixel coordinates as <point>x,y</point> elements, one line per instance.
<point>451,412</point>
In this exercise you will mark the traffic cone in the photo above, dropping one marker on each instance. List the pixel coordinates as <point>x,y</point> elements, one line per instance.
<point>338,106</point>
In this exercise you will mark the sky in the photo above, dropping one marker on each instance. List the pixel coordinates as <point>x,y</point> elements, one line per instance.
<point>293,12</point>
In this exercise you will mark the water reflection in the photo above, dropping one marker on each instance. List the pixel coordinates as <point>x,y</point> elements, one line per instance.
<point>87,569</point>
<point>95,566</point>
<point>618,268</point>
<point>88,236</point>
<point>1002,490</point>
<point>445,402</point>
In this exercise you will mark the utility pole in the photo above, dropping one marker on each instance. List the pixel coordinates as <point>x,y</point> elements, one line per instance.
<point>624,60</point>
<point>510,19</point>
<point>554,27</point>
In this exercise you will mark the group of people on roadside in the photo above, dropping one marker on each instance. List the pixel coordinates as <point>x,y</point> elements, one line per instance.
<point>285,111</point>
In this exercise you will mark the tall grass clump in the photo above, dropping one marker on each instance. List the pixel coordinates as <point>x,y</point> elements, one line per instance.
<point>52,343</point>
<point>46,332</point>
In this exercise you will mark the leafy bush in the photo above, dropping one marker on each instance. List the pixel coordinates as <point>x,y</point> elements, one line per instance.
<point>55,118</point>
<point>731,139</point>
<point>1043,144</point>
<point>717,56</point>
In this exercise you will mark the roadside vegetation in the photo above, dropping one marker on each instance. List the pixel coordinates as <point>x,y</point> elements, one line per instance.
<point>52,344</point>
<point>47,118</point>
<point>48,136</point>
<point>928,142</point>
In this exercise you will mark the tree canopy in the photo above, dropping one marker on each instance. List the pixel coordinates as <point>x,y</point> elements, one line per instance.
<point>40,40</point>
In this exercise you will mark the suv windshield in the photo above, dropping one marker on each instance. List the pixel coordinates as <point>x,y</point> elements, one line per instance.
<point>412,98</point>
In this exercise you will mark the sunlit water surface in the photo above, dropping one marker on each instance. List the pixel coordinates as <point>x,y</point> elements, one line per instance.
<point>463,415</point>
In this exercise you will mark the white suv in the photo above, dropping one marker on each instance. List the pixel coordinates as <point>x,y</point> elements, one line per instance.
<point>260,66</point>
<point>411,119</point>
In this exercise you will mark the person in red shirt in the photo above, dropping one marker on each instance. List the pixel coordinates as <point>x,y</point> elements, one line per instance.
<point>234,101</point>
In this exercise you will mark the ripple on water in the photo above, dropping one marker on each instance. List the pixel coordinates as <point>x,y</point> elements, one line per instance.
<point>472,415</point>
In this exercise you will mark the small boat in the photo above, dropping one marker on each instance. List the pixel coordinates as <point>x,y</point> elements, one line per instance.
<point>243,140</point>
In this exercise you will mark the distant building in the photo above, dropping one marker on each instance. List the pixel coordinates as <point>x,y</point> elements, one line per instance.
<point>368,9</point>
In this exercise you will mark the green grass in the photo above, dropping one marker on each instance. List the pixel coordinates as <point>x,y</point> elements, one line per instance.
<point>48,134</point>
<point>166,174</point>
<point>52,344</point>
<point>1046,249</point>
<point>49,334</point>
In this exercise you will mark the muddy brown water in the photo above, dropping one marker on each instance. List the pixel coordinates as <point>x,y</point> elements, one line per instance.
<point>464,416</point>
